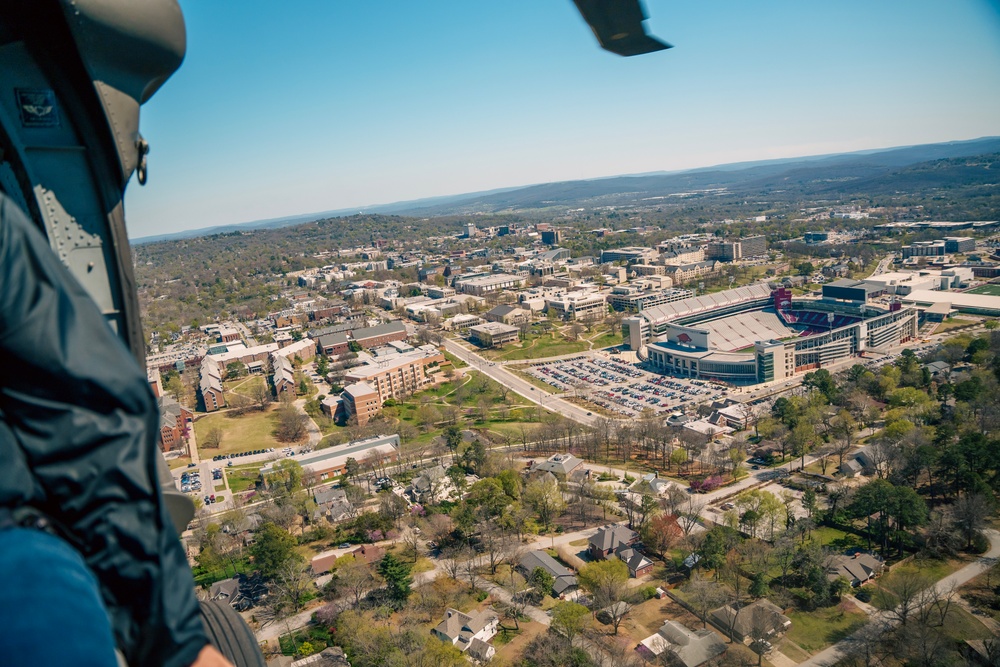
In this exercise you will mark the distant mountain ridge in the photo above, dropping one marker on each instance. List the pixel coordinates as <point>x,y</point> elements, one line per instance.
<point>815,174</point>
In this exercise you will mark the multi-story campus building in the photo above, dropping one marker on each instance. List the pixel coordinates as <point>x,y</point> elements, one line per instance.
<point>480,285</point>
<point>397,376</point>
<point>332,461</point>
<point>630,299</point>
<point>577,305</point>
<point>493,334</point>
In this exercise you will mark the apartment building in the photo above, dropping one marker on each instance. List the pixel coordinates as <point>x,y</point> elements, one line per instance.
<point>397,375</point>
<point>361,402</point>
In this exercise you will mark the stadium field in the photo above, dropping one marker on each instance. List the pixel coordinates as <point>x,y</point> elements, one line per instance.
<point>988,290</point>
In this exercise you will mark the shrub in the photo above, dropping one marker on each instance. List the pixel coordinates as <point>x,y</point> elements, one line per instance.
<point>647,592</point>
<point>481,595</point>
<point>980,544</point>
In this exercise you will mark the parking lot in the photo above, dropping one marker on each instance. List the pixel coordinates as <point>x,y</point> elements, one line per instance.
<point>623,388</point>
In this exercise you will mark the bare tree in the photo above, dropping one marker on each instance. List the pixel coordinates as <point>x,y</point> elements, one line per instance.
<point>453,561</point>
<point>213,439</point>
<point>971,513</point>
<point>470,569</point>
<point>292,582</point>
<point>703,595</point>
<point>260,395</point>
<point>411,541</point>
<point>354,578</point>
<point>903,594</point>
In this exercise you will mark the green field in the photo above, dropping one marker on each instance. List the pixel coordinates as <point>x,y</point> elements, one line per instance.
<point>988,290</point>
<point>253,430</point>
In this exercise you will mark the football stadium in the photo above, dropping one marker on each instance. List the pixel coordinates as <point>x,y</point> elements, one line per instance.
<point>761,333</point>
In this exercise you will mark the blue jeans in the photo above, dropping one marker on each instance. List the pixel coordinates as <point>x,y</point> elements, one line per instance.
<point>51,613</point>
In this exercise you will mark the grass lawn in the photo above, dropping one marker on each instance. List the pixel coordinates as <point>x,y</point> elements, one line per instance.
<point>953,323</point>
<point>541,384</point>
<point>835,538</point>
<point>455,361</point>
<point>980,592</point>
<point>815,630</point>
<point>606,339</point>
<point>243,385</point>
<point>253,430</point>
<point>963,626</point>
<point>792,650</point>
<point>510,648</point>
<point>539,347</point>
<point>179,462</point>
<point>243,478</point>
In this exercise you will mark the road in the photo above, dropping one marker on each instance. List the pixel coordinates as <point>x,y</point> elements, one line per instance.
<point>834,654</point>
<point>883,264</point>
<point>521,387</point>
<point>250,340</point>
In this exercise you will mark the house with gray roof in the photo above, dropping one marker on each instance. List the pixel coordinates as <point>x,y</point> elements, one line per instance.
<point>565,582</point>
<point>560,464</point>
<point>431,485</point>
<point>689,648</point>
<point>637,563</point>
<point>461,629</point>
<point>605,542</point>
<point>760,620</point>
<point>858,567</point>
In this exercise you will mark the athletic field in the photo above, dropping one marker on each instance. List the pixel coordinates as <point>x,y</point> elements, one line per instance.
<point>988,290</point>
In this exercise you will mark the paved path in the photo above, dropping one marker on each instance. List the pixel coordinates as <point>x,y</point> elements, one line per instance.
<point>837,652</point>
<point>521,387</point>
<point>315,435</point>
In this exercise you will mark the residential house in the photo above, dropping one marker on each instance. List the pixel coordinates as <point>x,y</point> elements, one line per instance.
<point>759,620</point>
<point>603,544</point>
<point>564,584</point>
<point>851,468</point>
<point>658,485</point>
<point>430,486</point>
<point>227,591</point>
<point>689,648</point>
<point>481,651</point>
<point>372,553</point>
<point>638,564</point>
<point>332,503</point>
<point>321,564</point>
<point>858,567</point>
<point>462,629</point>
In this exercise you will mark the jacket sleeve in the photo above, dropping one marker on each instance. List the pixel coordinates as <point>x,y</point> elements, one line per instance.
<point>84,418</point>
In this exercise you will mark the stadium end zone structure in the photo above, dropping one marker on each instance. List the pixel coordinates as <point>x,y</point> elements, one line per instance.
<point>759,333</point>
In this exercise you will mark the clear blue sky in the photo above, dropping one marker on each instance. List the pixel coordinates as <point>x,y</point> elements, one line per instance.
<point>311,105</point>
